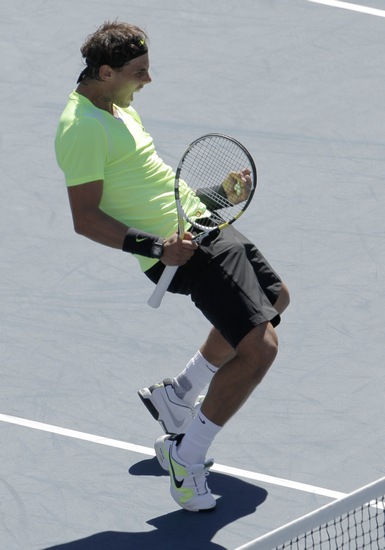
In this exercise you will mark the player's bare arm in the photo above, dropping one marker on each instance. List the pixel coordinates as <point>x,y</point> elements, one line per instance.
<point>91,222</point>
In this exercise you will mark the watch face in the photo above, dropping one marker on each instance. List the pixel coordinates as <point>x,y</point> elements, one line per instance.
<point>157,250</point>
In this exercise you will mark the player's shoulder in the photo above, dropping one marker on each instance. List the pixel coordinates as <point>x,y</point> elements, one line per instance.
<point>80,114</point>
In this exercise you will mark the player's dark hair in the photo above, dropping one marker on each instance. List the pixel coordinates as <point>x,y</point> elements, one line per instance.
<point>113,44</point>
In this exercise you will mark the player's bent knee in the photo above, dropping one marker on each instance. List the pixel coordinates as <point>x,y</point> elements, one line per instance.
<point>260,345</point>
<point>269,349</point>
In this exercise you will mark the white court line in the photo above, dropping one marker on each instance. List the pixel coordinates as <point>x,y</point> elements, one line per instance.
<point>349,6</point>
<point>147,451</point>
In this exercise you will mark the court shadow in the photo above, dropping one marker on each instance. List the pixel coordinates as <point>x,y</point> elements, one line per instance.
<point>181,529</point>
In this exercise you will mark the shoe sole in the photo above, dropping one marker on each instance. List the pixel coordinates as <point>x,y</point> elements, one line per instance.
<point>145,396</point>
<point>162,459</point>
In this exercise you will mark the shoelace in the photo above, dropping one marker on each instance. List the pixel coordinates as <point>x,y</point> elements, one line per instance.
<point>198,473</point>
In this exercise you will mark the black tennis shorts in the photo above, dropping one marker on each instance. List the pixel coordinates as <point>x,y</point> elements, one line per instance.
<point>231,282</point>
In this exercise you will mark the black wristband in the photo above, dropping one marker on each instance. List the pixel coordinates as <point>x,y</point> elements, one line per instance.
<point>142,243</point>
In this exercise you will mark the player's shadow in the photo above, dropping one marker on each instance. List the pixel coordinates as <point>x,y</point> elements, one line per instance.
<point>181,529</point>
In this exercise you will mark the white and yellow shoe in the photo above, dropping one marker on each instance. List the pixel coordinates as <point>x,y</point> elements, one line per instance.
<point>188,485</point>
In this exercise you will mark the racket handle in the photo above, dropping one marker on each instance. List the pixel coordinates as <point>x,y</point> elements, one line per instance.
<point>164,282</point>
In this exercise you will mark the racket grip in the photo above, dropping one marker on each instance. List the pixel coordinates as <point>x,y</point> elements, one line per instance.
<point>164,282</point>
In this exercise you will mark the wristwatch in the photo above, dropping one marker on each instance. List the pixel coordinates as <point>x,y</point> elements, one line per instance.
<point>157,248</point>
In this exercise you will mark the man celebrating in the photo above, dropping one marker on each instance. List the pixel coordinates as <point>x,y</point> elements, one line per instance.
<point>121,195</point>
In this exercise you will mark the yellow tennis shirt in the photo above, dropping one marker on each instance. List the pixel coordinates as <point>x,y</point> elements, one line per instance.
<point>138,188</point>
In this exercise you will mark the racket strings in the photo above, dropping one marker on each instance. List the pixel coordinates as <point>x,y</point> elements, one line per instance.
<point>207,165</point>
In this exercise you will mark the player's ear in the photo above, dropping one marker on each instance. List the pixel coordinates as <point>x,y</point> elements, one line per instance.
<point>105,72</point>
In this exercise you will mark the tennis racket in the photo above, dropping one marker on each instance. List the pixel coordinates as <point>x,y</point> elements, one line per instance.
<point>219,172</point>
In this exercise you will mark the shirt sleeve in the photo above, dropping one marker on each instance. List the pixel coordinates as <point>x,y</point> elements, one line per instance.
<point>82,152</point>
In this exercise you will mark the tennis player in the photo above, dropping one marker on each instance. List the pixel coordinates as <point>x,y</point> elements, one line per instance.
<point>121,195</point>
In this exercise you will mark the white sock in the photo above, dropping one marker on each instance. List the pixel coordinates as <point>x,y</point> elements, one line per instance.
<point>193,379</point>
<point>198,438</point>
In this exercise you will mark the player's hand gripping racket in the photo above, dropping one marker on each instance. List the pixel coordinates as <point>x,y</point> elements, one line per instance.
<point>221,173</point>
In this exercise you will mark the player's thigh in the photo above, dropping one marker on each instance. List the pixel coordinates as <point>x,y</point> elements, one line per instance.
<point>267,276</point>
<point>229,295</point>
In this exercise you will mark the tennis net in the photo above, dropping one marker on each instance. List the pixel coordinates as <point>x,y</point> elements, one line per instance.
<point>353,522</point>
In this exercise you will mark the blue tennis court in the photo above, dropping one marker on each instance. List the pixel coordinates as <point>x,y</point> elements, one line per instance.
<point>301,84</point>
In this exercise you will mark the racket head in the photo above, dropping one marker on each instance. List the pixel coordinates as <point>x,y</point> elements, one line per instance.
<point>209,169</point>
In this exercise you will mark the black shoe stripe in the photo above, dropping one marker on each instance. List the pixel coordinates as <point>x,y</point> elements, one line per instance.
<point>150,407</point>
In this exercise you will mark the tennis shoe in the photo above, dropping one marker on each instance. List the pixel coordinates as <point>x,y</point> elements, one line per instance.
<point>172,413</point>
<point>188,484</point>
